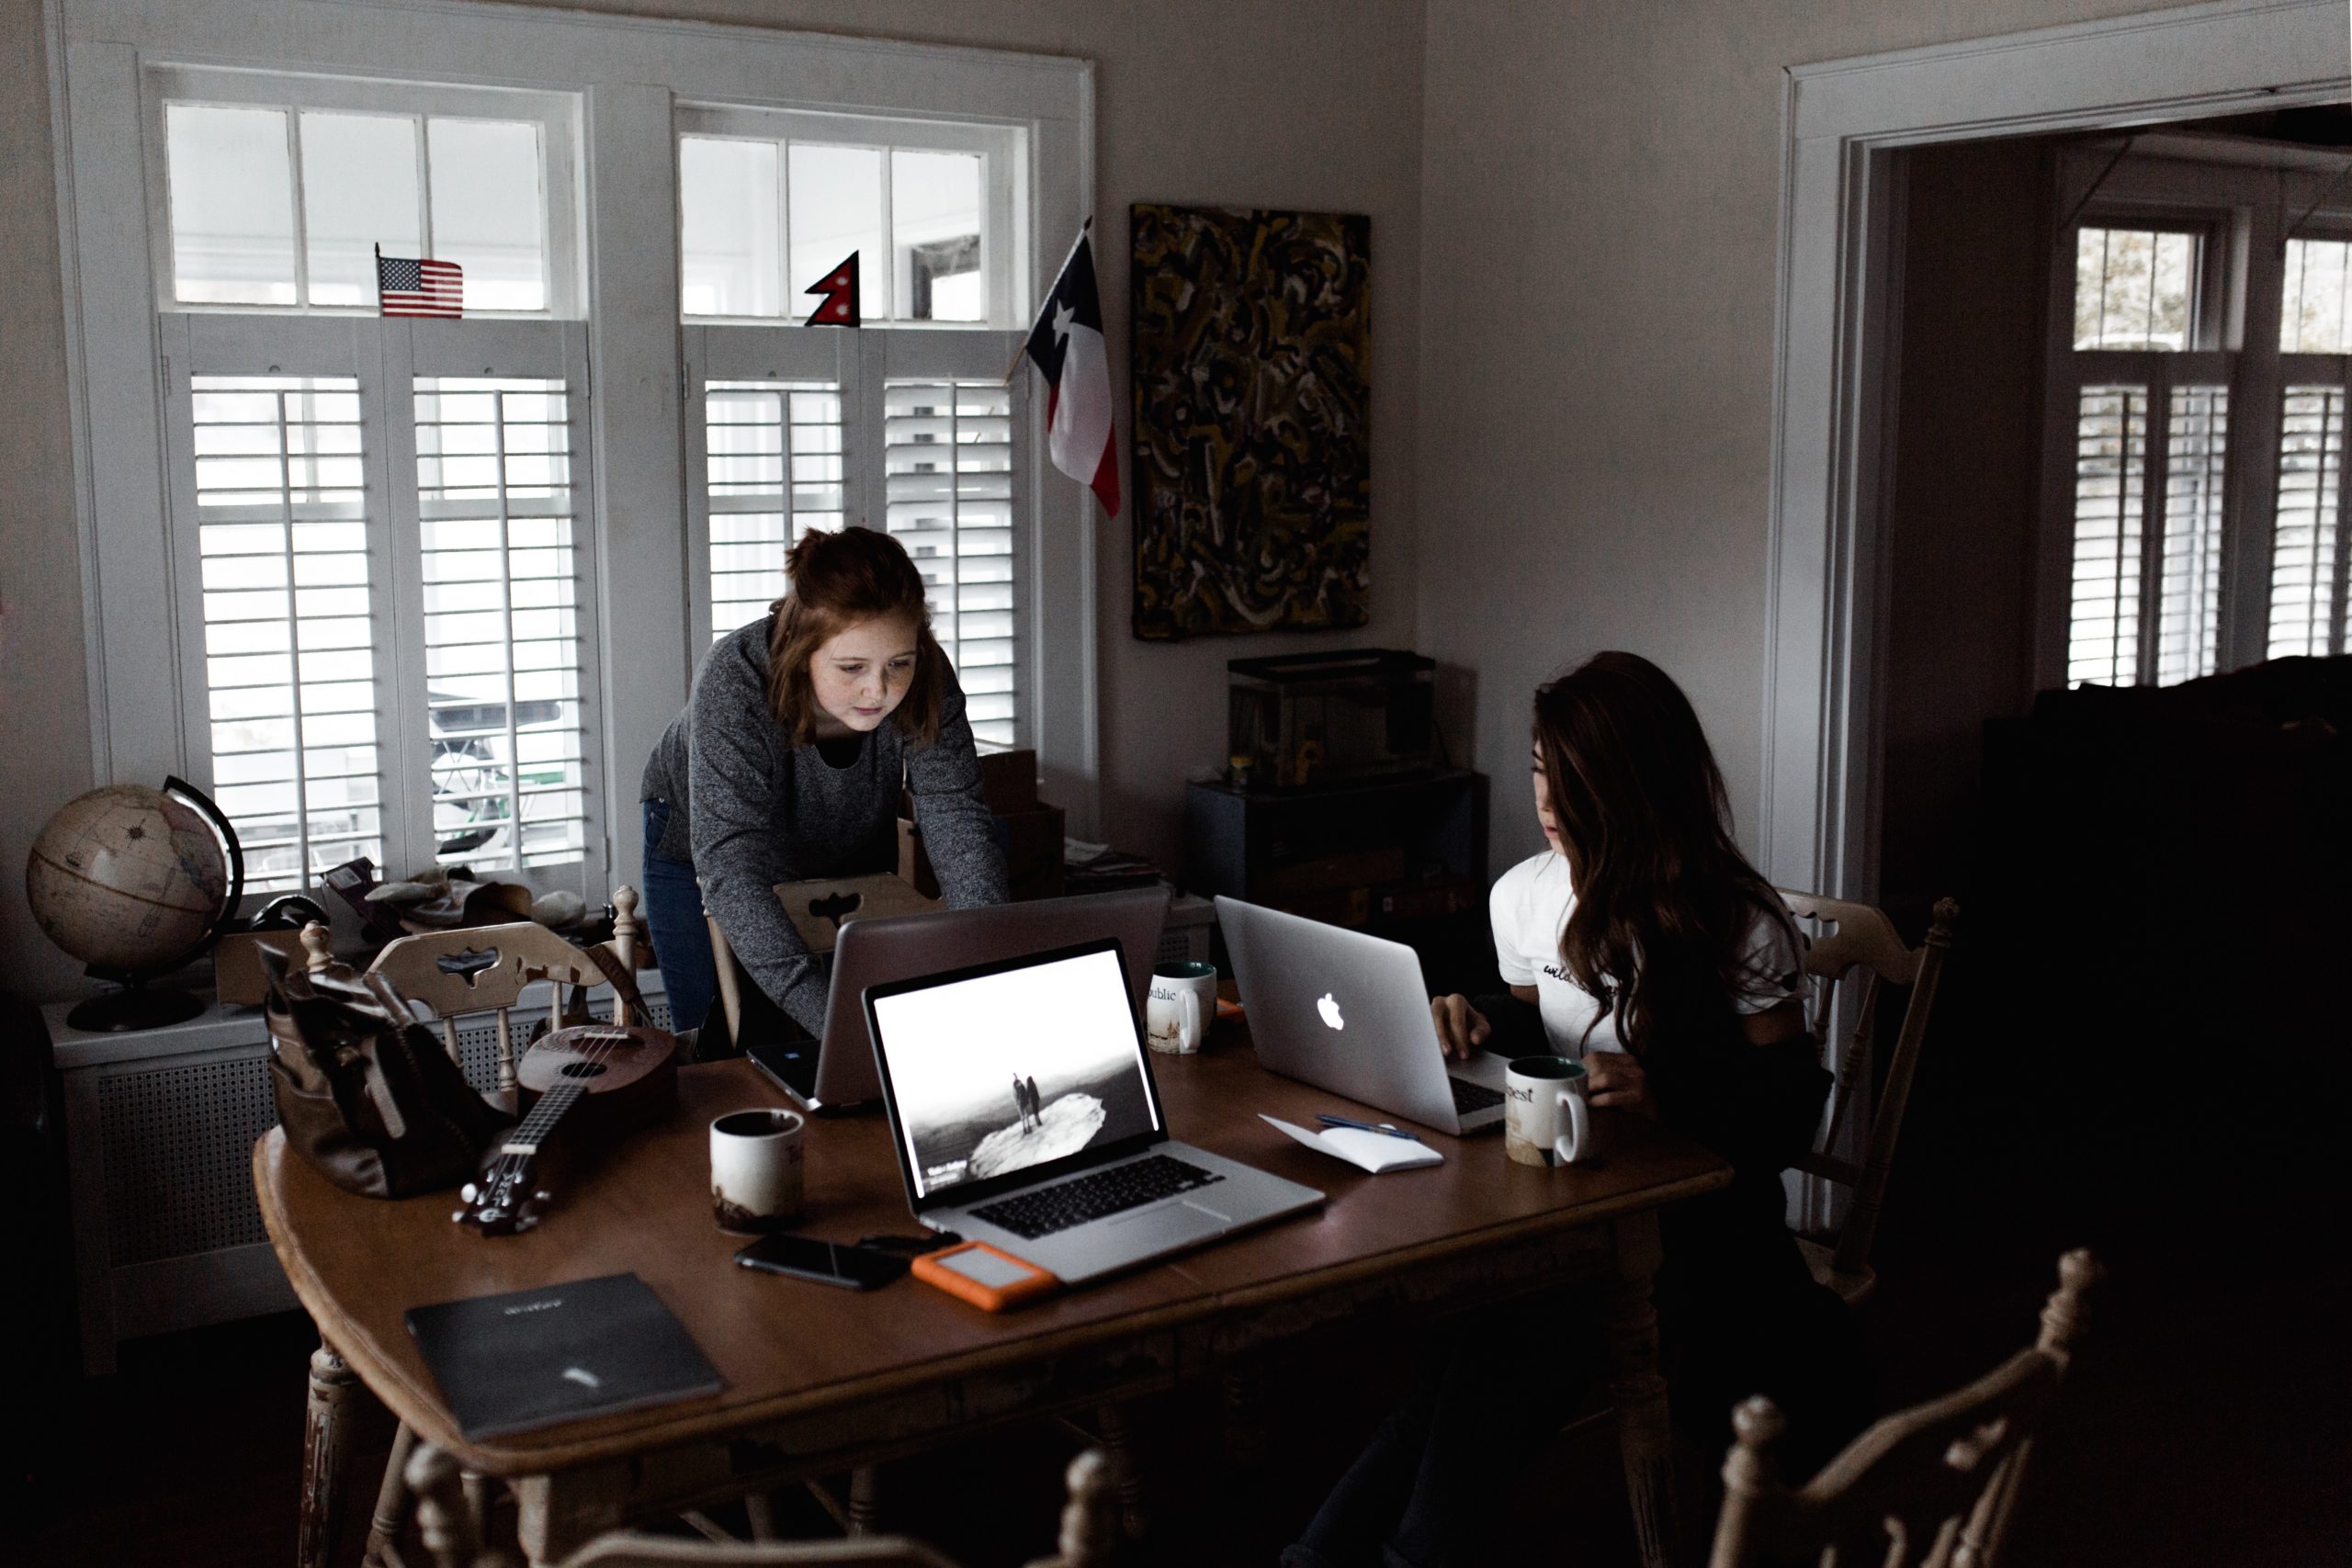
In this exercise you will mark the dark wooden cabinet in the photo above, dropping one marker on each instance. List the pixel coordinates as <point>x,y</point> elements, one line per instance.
<point>1403,857</point>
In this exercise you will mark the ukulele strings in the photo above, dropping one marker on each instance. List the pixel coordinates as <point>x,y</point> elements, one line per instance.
<point>606,1041</point>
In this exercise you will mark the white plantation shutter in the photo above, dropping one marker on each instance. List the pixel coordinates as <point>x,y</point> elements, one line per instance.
<point>2149,506</point>
<point>2110,508</point>
<point>276,471</point>
<point>2188,592</point>
<point>772,453</point>
<point>504,653</point>
<point>2308,611</point>
<point>948,468</point>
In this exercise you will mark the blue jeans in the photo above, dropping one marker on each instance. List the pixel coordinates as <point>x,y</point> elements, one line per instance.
<point>673,914</point>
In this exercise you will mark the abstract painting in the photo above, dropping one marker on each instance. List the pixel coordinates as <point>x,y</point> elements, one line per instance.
<point>1251,363</point>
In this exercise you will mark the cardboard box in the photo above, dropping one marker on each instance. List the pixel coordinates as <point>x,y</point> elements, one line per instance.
<point>1033,853</point>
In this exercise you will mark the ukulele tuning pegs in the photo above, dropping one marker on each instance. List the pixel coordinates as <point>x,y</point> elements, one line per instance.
<point>469,1191</point>
<point>541,1196</point>
<point>457,1217</point>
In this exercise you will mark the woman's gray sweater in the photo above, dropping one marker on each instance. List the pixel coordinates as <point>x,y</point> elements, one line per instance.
<point>749,809</point>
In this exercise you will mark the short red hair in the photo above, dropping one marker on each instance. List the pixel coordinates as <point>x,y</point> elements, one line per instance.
<point>840,578</point>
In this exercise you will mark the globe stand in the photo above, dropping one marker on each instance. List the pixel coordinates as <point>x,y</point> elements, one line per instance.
<point>135,1007</point>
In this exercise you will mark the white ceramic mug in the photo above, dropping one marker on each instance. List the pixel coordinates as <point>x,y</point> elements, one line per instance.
<point>757,1171</point>
<point>1183,1006</point>
<point>1545,1120</point>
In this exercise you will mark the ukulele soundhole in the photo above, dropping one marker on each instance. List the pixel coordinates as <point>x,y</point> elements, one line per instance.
<point>581,1069</point>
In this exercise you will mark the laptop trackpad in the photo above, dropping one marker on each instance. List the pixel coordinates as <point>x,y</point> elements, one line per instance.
<point>1170,1223</point>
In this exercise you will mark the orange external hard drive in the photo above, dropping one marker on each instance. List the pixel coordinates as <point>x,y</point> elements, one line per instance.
<point>989,1280</point>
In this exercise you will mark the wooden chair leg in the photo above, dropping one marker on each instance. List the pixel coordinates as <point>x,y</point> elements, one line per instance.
<point>1127,1469</point>
<point>324,1456</point>
<point>392,1503</point>
<point>445,1515</point>
<point>761,1513</point>
<point>865,1501</point>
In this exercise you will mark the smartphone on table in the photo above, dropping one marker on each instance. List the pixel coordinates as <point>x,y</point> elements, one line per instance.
<point>829,1262</point>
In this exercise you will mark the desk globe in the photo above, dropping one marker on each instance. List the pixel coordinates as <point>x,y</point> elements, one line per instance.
<point>135,883</point>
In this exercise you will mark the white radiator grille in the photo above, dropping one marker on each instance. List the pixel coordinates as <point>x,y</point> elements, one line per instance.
<point>501,636</point>
<point>947,461</point>
<point>282,534</point>
<point>775,454</point>
<point>2307,560</point>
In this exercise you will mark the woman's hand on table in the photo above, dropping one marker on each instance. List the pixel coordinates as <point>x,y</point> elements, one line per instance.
<point>1615,1079</point>
<point>1460,1028</point>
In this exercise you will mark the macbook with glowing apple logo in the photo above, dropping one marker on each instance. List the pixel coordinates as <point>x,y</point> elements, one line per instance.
<point>1349,1012</point>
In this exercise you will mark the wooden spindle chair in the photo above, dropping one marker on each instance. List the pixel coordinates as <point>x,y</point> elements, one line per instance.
<point>488,968</point>
<point>453,1533</point>
<point>1845,938</point>
<point>476,969</point>
<point>1933,1486</point>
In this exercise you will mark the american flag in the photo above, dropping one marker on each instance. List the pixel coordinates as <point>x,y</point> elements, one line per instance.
<point>407,286</point>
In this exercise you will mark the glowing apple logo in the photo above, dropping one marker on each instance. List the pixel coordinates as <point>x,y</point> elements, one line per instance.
<point>1330,1011</point>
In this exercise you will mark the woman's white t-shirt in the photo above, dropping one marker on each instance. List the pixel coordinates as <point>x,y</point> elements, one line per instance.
<point>1530,906</point>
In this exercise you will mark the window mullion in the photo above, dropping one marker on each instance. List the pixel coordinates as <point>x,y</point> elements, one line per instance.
<point>409,761</point>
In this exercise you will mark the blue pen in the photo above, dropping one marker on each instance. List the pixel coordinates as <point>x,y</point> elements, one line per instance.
<point>1329,1121</point>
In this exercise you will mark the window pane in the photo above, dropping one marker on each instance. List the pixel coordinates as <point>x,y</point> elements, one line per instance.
<point>935,233</point>
<point>502,638</point>
<point>358,192</point>
<point>947,459</point>
<point>2134,288</point>
<point>489,210</point>
<point>774,454</point>
<point>2307,555</point>
<point>232,204</point>
<point>2110,481</point>
<point>732,227</point>
<point>2188,595</point>
<point>281,531</point>
<point>836,208</point>
<point>2312,319</point>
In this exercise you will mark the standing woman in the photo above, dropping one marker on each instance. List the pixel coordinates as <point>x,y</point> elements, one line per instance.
<point>787,765</point>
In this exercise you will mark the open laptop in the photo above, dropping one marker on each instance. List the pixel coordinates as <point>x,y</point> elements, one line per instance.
<point>1023,1114</point>
<point>835,1071</point>
<point>1347,1011</point>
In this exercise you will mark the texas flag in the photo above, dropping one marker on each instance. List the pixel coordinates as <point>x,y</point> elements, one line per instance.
<point>1066,344</point>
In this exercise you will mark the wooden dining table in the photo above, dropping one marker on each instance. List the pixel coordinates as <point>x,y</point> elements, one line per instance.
<point>820,1381</point>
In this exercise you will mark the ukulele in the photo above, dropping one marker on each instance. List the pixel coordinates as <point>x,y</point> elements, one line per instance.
<point>600,1080</point>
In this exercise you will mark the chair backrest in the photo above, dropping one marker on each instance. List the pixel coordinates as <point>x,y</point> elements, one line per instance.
<point>1090,1525</point>
<point>487,969</point>
<point>1845,937</point>
<point>1932,1486</point>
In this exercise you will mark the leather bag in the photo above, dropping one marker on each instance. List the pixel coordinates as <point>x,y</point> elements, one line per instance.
<point>366,1094</point>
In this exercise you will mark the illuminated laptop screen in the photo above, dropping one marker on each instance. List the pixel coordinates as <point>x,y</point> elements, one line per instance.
<point>1005,1071</point>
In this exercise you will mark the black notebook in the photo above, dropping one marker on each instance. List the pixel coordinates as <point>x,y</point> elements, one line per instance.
<point>586,1348</point>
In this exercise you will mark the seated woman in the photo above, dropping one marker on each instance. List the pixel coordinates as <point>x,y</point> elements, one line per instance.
<point>1642,940</point>
<point>787,764</point>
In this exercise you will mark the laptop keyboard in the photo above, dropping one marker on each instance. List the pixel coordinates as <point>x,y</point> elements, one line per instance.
<point>1469,1096</point>
<point>1045,1210</point>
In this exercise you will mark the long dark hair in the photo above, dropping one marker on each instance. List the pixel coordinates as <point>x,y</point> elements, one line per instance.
<point>840,578</point>
<point>1663,899</point>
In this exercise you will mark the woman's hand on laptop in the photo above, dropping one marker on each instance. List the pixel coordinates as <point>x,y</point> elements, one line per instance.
<point>1460,1028</point>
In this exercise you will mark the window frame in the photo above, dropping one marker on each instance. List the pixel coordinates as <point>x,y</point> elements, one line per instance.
<point>556,115</point>
<point>998,145</point>
<point>625,79</point>
<point>2220,189</point>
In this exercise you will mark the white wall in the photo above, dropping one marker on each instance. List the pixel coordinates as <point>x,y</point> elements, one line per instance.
<point>1601,197</point>
<point>1306,104</point>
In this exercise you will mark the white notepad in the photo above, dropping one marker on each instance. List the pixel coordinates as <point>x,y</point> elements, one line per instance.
<point>1375,1152</point>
